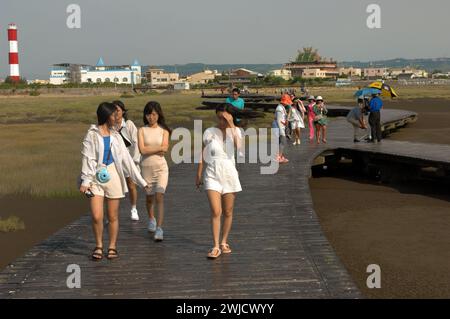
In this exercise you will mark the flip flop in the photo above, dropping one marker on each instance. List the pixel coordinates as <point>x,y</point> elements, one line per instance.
<point>214,253</point>
<point>225,248</point>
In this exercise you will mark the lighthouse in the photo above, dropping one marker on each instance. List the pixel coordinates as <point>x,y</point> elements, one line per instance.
<point>13,53</point>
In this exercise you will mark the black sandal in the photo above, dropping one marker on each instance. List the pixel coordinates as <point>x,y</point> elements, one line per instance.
<point>97,255</point>
<point>112,253</point>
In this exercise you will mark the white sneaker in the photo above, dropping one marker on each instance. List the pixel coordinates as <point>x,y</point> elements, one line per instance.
<point>134,215</point>
<point>299,142</point>
<point>295,143</point>
<point>159,234</point>
<point>152,225</point>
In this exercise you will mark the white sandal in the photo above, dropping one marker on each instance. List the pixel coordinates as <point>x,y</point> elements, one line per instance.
<point>212,253</point>
<point>225,248</point>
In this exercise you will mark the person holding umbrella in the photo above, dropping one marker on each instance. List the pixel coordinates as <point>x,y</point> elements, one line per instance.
<point>375,107</point>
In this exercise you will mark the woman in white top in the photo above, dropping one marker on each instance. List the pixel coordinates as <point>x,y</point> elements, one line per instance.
<point>105,163</point>
<point>296,118</point>
<point>128,131</point>
<point>220,175</point>
<point>279,124</point>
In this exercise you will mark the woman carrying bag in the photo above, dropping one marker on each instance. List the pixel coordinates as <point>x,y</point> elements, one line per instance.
<point>105,163</point>
<point>320,120</point>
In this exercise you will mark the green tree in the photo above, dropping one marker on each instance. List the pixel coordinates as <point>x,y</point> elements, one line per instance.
<point>9,80</point>
<point>308,54</point>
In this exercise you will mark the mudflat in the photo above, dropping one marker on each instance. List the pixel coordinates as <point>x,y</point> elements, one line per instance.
<point>404,228</point>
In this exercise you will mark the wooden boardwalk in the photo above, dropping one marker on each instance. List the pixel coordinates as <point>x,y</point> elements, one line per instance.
<point>279,249</point>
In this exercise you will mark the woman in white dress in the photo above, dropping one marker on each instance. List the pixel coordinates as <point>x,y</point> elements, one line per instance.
<point>296,118</point>
<point>217,167</point>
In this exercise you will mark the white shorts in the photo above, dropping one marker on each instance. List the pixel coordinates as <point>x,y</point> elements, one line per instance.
<point>111,189</point>
<point>221,176</point>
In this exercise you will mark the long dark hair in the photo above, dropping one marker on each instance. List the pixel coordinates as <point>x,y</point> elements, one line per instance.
<point>295,104</point>
<point>155,106</point>
<point>104,111</point>
<point>229,108</point>
<point>122,106</point>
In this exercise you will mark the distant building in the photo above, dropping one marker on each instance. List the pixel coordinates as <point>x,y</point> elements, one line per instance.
<point>281,73</point>
<point>404,73</point>
<point>160,78</point>
<point>41,82</point>
<point>239,76</point>
<point>375,73</point>
<point>343,82</point>
<point>314,73</point>
<point>180,86</point>
<point>350,72</point>
<point>441,75</point>
<point>100,73</point>
<point>309,62</point>
<point>202,77</point>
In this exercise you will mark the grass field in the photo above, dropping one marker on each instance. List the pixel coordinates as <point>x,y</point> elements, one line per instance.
<point>41,136</point>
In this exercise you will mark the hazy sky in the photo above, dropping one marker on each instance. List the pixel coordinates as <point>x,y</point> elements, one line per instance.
<point>215,32</point>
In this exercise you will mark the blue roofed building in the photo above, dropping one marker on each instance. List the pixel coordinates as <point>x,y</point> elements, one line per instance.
<point>100,73</point>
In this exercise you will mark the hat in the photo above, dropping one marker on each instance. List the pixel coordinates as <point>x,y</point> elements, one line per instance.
<point>311,98</point>
<point>319,98</point>
<point>286,99</point>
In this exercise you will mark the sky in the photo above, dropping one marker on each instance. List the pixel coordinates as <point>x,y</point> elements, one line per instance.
<point>218,32</point>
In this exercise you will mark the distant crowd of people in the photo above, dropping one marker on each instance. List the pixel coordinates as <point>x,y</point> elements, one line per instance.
<point>291,116</point>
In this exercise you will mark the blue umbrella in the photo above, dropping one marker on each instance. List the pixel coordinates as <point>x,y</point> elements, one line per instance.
<point>367,91</point>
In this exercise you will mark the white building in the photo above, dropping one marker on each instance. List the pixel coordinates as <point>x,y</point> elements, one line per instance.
<point>281,73</point>
<point>179,86</point>
<point>100,73</point>
<point>408,72</point>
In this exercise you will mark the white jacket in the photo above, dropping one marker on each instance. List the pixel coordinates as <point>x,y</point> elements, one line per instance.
<point>131,133</point>
<point>92,152</point>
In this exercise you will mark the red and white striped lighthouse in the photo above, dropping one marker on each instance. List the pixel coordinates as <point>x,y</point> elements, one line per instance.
<point>13,53</point>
